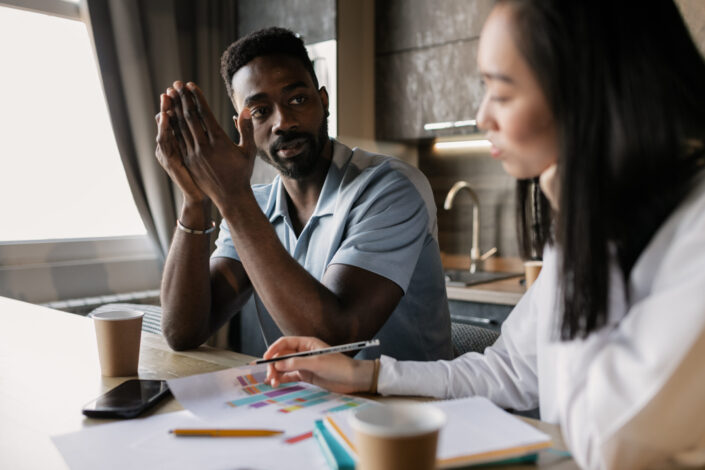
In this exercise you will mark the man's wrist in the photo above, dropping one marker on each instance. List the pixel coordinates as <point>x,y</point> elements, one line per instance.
<point>196,214</point>
<point>241,204</point>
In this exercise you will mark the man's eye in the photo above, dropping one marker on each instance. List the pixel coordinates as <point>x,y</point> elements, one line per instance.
<point>499,99</point>
<point>298,100</point>
<point>258,112</point>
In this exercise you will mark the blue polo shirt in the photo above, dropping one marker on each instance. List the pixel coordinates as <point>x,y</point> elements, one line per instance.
<point>376,213</point>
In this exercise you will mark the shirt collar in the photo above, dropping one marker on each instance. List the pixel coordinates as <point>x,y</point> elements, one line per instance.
<point>326,200</point>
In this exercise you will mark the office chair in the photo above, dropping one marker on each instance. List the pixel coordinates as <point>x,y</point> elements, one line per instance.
<point>468,338</point>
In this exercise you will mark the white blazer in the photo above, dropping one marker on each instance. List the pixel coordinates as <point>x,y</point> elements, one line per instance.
<point>631,395</point>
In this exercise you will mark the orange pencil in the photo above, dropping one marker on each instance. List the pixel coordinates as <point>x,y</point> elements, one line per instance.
<point>226,432</point>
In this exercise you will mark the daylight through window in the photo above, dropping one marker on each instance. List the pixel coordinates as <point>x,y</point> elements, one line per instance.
<point>61,176</point>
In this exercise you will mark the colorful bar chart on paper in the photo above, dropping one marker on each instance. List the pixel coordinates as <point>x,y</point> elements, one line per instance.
<point>250,402</point>
<point>288,398</point>
<point>253,383</point>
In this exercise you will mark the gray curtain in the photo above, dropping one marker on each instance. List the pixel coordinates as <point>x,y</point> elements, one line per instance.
<point>141,48</point>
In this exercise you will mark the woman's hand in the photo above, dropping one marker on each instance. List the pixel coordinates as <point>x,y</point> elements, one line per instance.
<point>335,372</point>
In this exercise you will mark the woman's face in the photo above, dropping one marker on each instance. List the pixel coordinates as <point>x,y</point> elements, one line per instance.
<point>514,112</point>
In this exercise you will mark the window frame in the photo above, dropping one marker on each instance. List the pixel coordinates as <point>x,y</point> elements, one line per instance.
<point>61,8</point>
<point>131,260</point>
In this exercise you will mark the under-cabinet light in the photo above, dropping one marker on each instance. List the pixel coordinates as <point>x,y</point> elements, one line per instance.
<point>434,126</point>
<point>460,145</point>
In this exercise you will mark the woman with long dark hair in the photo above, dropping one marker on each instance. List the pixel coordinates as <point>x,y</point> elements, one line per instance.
<point>605,101</point>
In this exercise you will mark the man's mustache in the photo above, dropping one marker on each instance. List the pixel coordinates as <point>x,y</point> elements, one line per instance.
<point>287,137</point>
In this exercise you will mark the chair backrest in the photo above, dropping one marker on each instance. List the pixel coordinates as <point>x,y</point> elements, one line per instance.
<point>468,338</point>
<point>152,320</point>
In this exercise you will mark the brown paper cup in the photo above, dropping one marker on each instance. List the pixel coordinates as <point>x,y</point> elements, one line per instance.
<point>118,333</point>
<point>531,271</point>
<point>396,437</point>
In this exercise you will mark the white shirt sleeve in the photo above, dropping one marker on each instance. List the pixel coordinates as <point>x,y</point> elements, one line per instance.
<point>505,373</point>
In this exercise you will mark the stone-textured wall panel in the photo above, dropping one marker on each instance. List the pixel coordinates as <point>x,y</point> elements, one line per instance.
<point>425,85</point>
<point>313,19</point>
<point>412,24</point>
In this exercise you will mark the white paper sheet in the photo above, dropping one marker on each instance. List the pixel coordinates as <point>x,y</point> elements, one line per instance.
<point>146,443</point>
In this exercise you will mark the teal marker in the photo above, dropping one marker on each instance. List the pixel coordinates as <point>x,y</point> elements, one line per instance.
<point>336,455</point>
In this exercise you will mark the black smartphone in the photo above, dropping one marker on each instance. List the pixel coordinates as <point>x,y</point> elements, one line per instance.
<point>128,399</point>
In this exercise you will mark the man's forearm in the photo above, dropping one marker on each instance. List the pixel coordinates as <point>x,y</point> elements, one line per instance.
<point>185,290</point>
<point>298,303</point>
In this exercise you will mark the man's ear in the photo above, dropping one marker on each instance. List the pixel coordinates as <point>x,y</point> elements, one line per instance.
<point>323,93</point>
<point>235,121</point>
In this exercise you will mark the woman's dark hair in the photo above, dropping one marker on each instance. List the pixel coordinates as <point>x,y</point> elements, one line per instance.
<point>534,216</point>
<point>267,41</point>
<point>626,85</point>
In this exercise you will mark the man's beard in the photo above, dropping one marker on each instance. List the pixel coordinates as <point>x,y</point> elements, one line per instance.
<point>303,164</point>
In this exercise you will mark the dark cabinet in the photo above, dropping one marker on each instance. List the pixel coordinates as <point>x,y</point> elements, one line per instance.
<point>425,64</point>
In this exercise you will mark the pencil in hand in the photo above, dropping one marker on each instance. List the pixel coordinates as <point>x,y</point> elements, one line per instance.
<point>331,350</point>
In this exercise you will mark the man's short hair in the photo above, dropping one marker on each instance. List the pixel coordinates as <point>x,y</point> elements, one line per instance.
<point>267,41</point>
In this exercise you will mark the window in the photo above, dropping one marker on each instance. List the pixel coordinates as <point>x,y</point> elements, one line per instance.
<point>61,176</point>
<point>70,228</point>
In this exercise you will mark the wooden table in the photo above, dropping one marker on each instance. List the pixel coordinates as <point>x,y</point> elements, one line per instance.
<point>49,369</point>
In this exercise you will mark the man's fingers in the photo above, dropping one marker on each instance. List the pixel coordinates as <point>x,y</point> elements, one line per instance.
<point>247,133</point>
<point>181,126</point>
<point>164,134</point>
<point>165,102</point>
<point>169,136</point>
<point>176,131</point>
<point>203,109</point>
<point>191,114</point>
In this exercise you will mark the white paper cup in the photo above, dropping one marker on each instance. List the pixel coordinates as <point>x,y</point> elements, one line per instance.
<point>397,436</point>
<point>118,333</point>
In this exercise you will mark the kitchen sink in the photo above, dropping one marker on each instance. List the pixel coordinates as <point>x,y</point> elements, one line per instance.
<point>459,277</point>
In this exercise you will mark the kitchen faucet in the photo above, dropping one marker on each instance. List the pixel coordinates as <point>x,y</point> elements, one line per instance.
<point>476,260</point>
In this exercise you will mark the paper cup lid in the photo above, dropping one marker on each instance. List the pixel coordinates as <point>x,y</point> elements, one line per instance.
<point>114,315</point>
<point>397,420</point>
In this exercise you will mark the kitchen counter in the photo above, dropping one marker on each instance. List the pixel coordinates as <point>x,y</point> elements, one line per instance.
<point>502,292</point>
